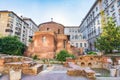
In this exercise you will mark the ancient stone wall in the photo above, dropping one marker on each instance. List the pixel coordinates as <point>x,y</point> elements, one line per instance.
<point>43,45</point>
<point>90,61</point>
<point>48,41</point>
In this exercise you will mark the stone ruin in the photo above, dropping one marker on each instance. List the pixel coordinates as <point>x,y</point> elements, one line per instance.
<point>26,65</point>
<point>78,66</point>
<point>76,70</point>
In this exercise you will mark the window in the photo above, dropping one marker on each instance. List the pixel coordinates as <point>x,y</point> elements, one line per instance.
<point>78,30</point>
<point>64,43</point>
<point>118,3</point>
<point>48,29</point>
<point>85,45</point>
<point>72,30</point>
<point>106,3</point>
<point>8,25</point>
<point>96,8</point>
<point>80,37</point>
<point>76,37</point>
<point>112,8</point>
<point>98,29</point>
<point>11,15</point>
<point>72,36</point>
<point>76,44</point>
<point>80,44</point>
<point>114,16</point>
<point>44,39</point>
<point>58,31</point>
<point>98,22</point>
<point>93,14</point>
<point>69,30</point>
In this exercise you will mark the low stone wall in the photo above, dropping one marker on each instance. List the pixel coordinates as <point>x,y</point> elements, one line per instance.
<point>78,71</point>
<point>33,70</point>
<point>25,64</point>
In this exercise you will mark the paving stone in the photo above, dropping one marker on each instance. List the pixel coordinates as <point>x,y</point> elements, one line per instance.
<point>56,72</point>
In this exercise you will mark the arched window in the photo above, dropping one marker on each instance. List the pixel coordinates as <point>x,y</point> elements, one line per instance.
<point>43,39</point>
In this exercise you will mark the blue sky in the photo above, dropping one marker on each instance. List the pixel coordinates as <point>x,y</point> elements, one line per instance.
<point>66,12</point>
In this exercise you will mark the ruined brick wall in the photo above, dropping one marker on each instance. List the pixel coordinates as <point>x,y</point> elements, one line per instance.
<point>62,42</point>
<point>50,39</point>
<point>90,61</point>
<point>43,45</point>
<point>52,26</point>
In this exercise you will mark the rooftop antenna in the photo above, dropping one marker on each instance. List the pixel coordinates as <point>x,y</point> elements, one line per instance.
<point>51,19</point>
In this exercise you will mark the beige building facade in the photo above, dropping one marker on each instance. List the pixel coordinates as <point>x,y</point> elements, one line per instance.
<point>13,25</point>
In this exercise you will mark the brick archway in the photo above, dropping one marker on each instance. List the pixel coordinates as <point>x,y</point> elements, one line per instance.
<point>82,64</point>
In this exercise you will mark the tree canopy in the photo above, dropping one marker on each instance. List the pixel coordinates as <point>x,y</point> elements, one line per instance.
<point>11,45</point>
<point>109,40</point>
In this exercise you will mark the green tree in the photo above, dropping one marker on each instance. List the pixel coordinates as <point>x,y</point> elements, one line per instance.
<point>11,45</point>
<point>63,54</point>
<point>109,40</point>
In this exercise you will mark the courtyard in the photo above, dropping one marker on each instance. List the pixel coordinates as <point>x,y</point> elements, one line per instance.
<point>56,72</point>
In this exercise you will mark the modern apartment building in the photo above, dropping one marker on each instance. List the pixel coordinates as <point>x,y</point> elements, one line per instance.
<point>75,37</point>
<point>11,24</point>
<point>31,29</point>
<point>91,26</point>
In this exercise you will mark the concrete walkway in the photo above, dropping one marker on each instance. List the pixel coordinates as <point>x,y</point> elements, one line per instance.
<point>56,72</point>
<point>108,78</point>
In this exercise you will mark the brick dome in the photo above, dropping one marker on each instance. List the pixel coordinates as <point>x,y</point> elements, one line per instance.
<point>52,26</point>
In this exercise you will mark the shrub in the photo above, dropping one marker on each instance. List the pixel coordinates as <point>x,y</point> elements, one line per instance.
<point>11,45</point>
<point>63,54</point>
<point>35,57</point>
<point>92,53</point>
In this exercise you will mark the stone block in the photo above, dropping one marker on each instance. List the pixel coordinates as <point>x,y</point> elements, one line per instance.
<point>15,74</point>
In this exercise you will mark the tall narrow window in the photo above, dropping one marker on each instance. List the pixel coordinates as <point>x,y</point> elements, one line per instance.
<point>43,39</point>
<point>85,45</point>
<point>48,29</point>
<point>77,45</point>
<point>64,44</point>
<point>58,31</point>
<point>80,44</point>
